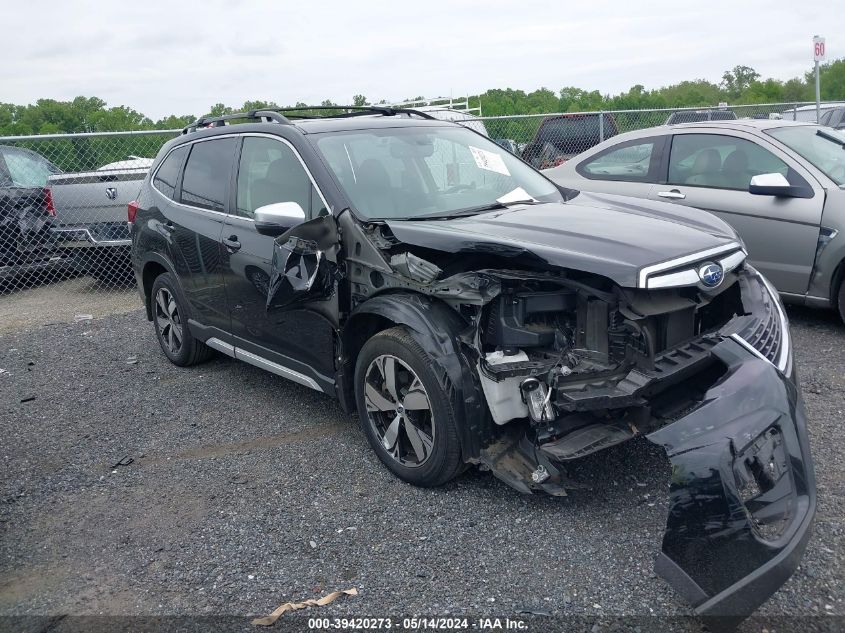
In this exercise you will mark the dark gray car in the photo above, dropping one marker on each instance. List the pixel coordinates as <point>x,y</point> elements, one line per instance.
<point>778,183</point>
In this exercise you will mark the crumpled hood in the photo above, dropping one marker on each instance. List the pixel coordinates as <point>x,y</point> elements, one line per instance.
<point>609,235</point>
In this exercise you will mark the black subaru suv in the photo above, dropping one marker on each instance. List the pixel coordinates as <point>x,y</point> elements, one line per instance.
<point>472,312</point>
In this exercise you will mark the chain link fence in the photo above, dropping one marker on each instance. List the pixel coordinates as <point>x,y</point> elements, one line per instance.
<point>64,197</point>
<point>63,203</point>
<point>547,140</point>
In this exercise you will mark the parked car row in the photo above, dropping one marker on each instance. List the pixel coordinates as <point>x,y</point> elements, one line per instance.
<point>53,222</point>
<point>472,311</point>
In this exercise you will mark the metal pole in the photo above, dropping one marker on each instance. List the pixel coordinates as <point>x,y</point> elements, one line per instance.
<point>601,126</point>
<point>818,93</point>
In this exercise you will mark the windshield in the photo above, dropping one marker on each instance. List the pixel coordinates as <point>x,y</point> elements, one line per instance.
<point>821,146</point>
<point>411,172</point>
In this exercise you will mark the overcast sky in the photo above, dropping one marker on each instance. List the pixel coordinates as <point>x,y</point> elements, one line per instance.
<point>179,58</point>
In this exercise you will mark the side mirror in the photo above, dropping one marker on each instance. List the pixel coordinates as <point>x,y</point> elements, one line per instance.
<point>274,219</point>
<point>777,185</point>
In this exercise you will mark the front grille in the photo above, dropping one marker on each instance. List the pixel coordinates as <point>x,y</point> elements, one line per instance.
<point>766,335</point>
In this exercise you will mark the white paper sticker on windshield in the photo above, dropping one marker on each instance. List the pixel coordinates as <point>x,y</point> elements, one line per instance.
<point>491,161</point>
<point>517,195</point>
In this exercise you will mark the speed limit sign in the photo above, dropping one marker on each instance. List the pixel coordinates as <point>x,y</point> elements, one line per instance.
<point>818,49</point>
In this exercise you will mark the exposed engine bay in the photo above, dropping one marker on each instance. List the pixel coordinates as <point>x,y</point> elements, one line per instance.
<point>544,362</point>
<point>569,363</point>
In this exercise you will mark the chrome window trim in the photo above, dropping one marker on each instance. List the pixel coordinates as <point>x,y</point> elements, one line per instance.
<point>648,271</point>
<point>170,151</point>
<point>230,135</point>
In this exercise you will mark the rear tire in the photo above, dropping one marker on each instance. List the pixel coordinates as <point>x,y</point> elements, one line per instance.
<point>170,317</point>
<point>405,412</point>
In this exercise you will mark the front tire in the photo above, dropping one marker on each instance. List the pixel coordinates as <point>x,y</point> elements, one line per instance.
<point>170,318</point>
<point>405,412</point>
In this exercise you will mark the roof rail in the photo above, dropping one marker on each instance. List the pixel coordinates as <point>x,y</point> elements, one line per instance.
<point>275,115</point>
<point>265,115</point>
<point>350,111</point>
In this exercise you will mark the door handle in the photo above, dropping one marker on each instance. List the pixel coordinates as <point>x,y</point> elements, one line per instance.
<point>672,194</point>
<point>231,243</point>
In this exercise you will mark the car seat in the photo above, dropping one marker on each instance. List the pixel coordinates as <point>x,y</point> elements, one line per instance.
<point>375,189</point>
<point>285,181</point>
<point>705,169</point>
<point>735,173</point>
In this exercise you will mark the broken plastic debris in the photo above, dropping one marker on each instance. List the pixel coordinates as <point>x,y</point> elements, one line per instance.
<point>293,606</point>
<point>83,317</point>
<point>124,461</point>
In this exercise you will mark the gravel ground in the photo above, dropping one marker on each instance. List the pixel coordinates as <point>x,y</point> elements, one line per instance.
<point>245,491</point>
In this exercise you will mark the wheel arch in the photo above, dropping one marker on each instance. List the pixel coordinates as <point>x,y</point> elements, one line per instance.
<point>437,329</point>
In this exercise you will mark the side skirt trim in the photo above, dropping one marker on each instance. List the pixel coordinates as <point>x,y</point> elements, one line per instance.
<point>262,363</point>
<point>220,346</point>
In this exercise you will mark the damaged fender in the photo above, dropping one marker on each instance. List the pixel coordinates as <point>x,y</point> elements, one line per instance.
<point>742,494</point>
<point>438,328</point>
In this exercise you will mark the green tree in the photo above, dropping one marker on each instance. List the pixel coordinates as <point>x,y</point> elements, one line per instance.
<point>174,122</point>
<point>832,81</point>
<point>359,100</point>
<point>219,109</point>
<point>736,81</point>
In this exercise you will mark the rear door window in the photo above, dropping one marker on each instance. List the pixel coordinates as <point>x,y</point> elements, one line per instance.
<point>634,161</point>
<point>167,174</point>
<point>207,172</point>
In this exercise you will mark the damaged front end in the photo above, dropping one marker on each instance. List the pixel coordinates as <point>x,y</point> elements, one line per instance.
<point>550,365</point>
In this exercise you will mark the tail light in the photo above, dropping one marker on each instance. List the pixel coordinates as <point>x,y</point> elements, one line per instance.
<point>131,211</point>
<point>49,207</point>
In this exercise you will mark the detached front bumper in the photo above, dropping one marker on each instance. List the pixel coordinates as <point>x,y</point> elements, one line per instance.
<point>743,494</point>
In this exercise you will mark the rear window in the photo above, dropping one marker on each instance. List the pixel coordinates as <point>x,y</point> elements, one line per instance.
<point>165,178</point>
<point>577,133</point>
<point>577,127</point>
<point>206,180</point>
<point>27,169</point>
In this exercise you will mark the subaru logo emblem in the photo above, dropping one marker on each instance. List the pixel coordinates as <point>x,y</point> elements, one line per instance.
<point>711,275</point>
